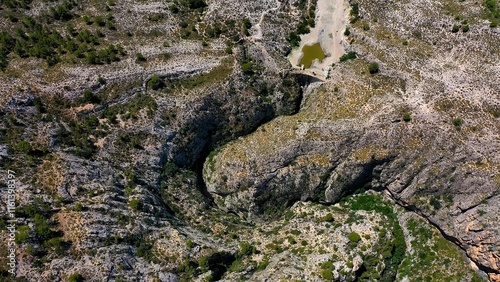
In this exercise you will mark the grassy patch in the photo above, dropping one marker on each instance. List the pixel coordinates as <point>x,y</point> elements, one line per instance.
<point>393,251</point>
<point>433,258</point>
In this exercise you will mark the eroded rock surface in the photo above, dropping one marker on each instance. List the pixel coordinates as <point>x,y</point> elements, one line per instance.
<point>422,128</point>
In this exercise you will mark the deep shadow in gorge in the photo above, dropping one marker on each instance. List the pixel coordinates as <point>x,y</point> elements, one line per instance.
<point>216,140</point>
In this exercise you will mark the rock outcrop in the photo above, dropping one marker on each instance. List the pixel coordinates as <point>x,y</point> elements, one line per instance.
<point>421,128</point>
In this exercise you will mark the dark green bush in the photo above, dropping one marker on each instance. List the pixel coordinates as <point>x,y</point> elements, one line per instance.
<point>155,82</point>
<point>101,80</point>
<point>328,218</point>
<point>89,97</point>
<point>247,68</point>
<point>42,227</point>
<point>24,147</point>
<point>246,249</point>
<point>139,58</point>
<point>100,21</point>
<point>135,204</point>
<point>354,13</point>
<point>173,8</point>
<point>294,39</point>
<point>373,68</point>
<point>76,277</point>
<point>23,234</point>
<point>354,238</point>
<point>204,263</point>
<point>78,206</point>
<point>327,274</point>
<point>262,264</point>
<point>195,4</point>
<point>457,122</point>
<point>348,56</point>
<point>246,26</point>
<point>56,244</point>
<point>144,250</point>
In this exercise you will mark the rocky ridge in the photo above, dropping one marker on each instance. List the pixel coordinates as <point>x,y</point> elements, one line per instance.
<point>111,185</point>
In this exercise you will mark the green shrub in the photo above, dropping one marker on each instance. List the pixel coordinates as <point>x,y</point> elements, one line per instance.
<point>189,243</point>
<point>407,117</point>
<point>328,218</point>
<point>155,82</point>
<point>493,9</point>
<point>373,68</point>
<point>135,204</point>
<point>23,234</point>
<point>89,97</point>
<point>435,203</point>
<point>294,39</point>
<point>455,28</point>
<point>23,147</point>
<point>262,264</point>
<point>246,25</point>
<point>57,245</point>
<point>173,8</point>
<point>465,28</point>
<point>100,21</point>
<point>237,266</point>
<point>354,238</point>
<point>204,263</point>
<point>75,277</point>
<point>327,265</point>
<point>101,80</point>
<point>348,56</point>
<point>246,249</point>
<point>78,207</point>
<point>354,13</point>
<point>247,68</point>
<point>195,4</point>
<point>42,227</point>
<point>144,250</point>
<point>139,58</point>
<point>347,32</point>
<point>327,274</point>
<point>457,122</point>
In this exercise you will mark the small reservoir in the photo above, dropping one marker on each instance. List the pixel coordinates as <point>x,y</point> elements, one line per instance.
<point>310,53</point>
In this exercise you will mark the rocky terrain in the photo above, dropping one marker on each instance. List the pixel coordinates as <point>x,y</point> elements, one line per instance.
<point>174,141</point>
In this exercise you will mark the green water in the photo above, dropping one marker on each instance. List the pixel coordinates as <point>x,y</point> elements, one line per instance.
<point>310,53</point>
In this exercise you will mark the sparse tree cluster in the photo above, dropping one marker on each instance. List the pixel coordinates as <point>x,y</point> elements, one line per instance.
<point>303,27</point>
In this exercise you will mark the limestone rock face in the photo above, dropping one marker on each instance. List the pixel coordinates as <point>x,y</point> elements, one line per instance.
<point>421,129</point>
<point>175,168</point>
